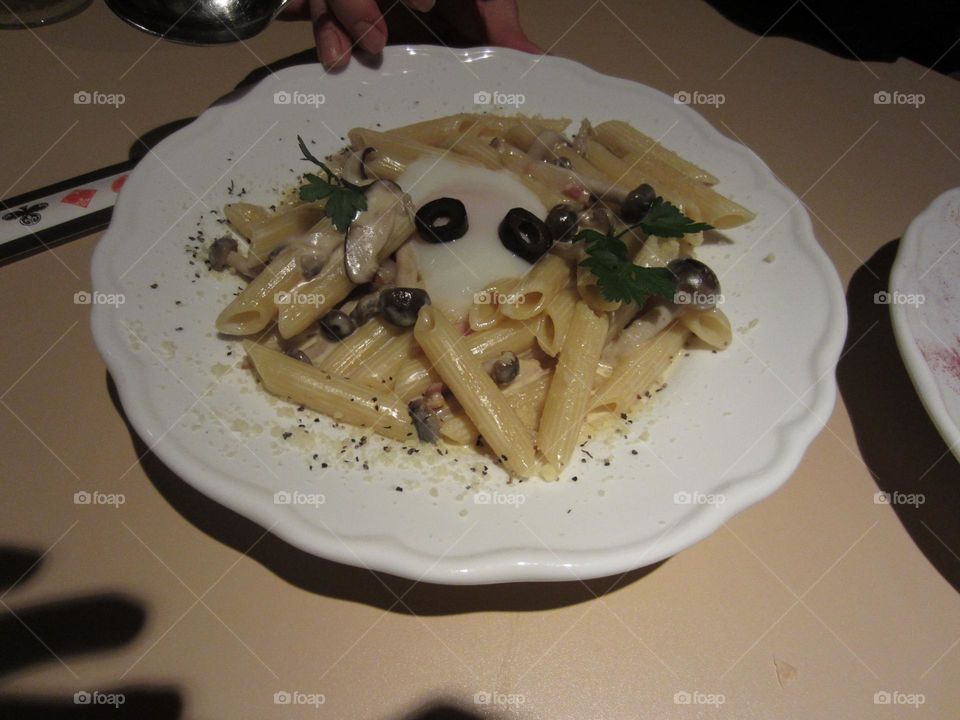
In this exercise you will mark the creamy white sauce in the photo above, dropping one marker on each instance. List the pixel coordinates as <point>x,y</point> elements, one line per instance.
<point>452,272</point>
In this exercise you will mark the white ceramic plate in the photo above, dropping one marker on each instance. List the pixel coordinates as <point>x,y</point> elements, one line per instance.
<point>924,302</point>
<point>728,430</point>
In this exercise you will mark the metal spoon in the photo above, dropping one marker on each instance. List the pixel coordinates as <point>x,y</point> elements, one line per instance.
<point>198,22</point>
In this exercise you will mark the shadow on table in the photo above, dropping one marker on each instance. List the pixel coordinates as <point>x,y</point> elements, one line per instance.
<point>899,443</point>
<point>45,633</point>
<point>333,579</point>
<point>52,631</point>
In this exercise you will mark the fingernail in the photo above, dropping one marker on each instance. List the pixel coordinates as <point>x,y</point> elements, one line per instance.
<point>369,36</point>
<point>329,48</point>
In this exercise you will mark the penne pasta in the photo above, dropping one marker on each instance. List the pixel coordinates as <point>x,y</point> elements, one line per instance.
<point>711,326</point>
<point>245,217</point>
<point>557,315</point>
<point>570,390</point>
<point>356,349</point>
<point>381,366</point>
<point>535,356</point>
<point>341,399</point>
<point>416,375</point>
<point>254,308</point>
<point>622,139</point>
<point>278,229</point>
<point>502,430</point>
<point>535,289</point>
<point>638,372</point>
<point>485,312</point>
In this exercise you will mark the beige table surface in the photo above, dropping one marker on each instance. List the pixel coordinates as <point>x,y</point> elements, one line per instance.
<point>856,597</point>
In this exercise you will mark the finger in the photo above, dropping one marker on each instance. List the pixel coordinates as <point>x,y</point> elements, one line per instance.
<point>333,45</point>
<point>295,10</point>
<point>501,19</point>
<point>420,5</point>
<point>363,21</point>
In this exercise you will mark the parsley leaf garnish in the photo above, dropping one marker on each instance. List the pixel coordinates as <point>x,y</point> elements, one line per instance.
<point>344,199</point>
<point>664,219</point>
<point>617,277</point>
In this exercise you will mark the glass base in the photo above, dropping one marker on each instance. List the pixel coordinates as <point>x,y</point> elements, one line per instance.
<point>19,14</point>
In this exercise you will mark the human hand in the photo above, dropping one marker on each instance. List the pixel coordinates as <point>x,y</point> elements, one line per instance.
<point>340,26</point>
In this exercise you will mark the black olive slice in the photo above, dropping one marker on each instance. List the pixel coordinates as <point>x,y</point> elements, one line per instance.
<point>524,234</point>
<point>442,220</point>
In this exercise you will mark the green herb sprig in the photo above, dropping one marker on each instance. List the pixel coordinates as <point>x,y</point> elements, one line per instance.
<point>617,277</point>
<point>344,199</point>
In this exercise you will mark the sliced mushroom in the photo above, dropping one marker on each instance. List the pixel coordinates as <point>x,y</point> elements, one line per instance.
<point>336,325</point>
<point>400,306</point>
<point>298,354</point>
<point>597,218</point>
<point>425,420</point>
<point>582,136</point>
<point>372,229</point>
<point>505,369</point>
<point>355,169</point>
<point>366,308</point>
<point>219,250</point>
<point>547,146</point>
<point>638,332</point>
<point>310,265</point>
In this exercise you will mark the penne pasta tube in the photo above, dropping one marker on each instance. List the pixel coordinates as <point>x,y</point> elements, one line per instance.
<point>381,366</point>
<point>639,372</point>
<point>538,287</point>
<point>245,217</point>
<point>570,390</point>
<point>474,149</point>
<point>363,343</point>
<point>485,311</point>
<point>502,430</point>
<point>282,227</point>
<point>253,309</point>
<point>623,139</point>
<point>431,132</point>
<point>415,376</point>
<point>711,326</point>
<point>394,146</point>
<point>456,427</point>
<point>528,398</point>
<point>556,315</point>
<point>315,297</point>
<point>714,208</point>
<point>341,399</point>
